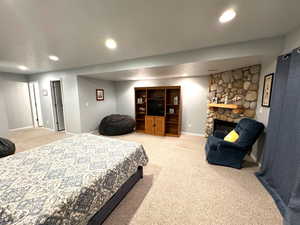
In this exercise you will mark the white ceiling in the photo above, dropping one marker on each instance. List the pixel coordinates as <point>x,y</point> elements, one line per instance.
<point>75,30</point>
<point>181,70</point>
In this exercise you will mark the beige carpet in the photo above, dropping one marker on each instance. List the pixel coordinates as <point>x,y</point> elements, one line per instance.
<point>180,188</point>
<point>31,138</point>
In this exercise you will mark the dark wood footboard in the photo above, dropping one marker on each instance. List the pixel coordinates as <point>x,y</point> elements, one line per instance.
<point>109,206</point>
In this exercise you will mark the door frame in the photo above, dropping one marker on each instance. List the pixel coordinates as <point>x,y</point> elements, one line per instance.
<point>54,112</point>
<point>36,107</point>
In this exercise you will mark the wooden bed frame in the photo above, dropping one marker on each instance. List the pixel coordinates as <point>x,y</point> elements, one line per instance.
<point>114,201</point>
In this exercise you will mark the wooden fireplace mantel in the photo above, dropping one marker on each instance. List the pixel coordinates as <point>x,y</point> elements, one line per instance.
<point>226,106</point>
<point>236,108</point>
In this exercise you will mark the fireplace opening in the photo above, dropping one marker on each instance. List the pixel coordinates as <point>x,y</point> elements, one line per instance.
<point>222,128</point>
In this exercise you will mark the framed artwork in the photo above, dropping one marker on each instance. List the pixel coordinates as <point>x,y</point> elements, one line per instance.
<point>267,91</point>
<point>99,94</point>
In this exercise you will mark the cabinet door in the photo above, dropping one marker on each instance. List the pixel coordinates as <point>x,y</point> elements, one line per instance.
<point>160,125</point>
<point>149,124</point>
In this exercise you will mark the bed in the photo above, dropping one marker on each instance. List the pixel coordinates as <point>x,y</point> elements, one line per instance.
<point>77,180</point>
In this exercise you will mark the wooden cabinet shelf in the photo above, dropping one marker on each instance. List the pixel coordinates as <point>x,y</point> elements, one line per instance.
<point>162,114</point>
<point>172,105</point>
<point>172,114</point>
<point>172,122</point>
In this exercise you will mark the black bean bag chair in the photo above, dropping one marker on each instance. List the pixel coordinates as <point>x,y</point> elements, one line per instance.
<point>6,147</point>
<point>116,124</point>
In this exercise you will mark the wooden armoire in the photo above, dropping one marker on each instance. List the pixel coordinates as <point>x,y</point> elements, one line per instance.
<point>158,110</point>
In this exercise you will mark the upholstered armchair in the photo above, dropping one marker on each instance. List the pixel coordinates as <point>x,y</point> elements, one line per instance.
<point>230,154</point>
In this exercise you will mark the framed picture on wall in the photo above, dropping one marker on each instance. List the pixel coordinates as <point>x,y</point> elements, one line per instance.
<point>99,94</point>
<point>267,91</point>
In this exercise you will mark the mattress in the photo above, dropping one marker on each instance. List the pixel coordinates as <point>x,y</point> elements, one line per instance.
<point>65,182</point>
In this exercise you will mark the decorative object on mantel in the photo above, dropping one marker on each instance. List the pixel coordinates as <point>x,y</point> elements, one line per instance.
<point>226,99</point>
<point>215,100</point>
<point>99,94</point>
<point>236,98</point>
<point>267,90</point>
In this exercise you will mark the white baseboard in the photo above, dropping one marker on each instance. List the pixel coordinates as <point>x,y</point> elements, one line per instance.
<point>93,131</point>
<point>21,128</point>
<point>67,132</point>
<point>193,134</point>
<point>47,128</point>
<point>71,133</point>
<point>183,132</point>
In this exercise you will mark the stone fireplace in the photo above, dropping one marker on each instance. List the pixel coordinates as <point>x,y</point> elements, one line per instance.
<point>237,87</point>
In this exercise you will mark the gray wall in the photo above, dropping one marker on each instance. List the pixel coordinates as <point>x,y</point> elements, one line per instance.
<point>18,108</point>
<point>15,101</point>
<point>70,99</point>
<point>194,111</point>
<point>292,40</point>
<point>262,113</point>
<point>194,99</point>
<point>3,117</point>
<point>70,83</point>
<point>92,111</point>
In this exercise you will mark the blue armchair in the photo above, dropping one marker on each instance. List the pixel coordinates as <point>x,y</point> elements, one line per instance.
<point>220,152</point>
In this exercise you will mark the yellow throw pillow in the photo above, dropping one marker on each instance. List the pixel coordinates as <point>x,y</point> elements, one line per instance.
<point>233,136</point>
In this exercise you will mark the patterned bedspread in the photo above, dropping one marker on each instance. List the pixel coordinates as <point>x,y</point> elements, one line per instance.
<point>65,182</point>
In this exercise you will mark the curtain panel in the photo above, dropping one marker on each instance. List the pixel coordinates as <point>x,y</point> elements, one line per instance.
<point>280,172</point>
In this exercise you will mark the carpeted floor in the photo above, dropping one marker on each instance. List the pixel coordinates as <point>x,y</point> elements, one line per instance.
<point>180,188</point>
<point>31,138</point>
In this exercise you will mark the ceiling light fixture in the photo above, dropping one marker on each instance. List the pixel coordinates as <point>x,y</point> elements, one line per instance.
<point>53,57</point>
<point>227,16</point>
<point>111,43</point>
<point>184,75</point>
<point>21,67</point>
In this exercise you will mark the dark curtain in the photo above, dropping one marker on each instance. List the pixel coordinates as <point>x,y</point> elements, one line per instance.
<point>280,172</point>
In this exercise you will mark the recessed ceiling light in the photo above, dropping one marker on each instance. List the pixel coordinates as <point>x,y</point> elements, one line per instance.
<point>111,43</point>
<point>53,57</point>
<point>227,16</point>
<point>184,75</point>
<point>21,67</point>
